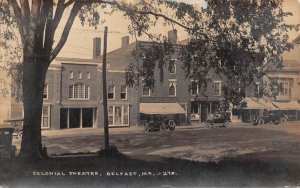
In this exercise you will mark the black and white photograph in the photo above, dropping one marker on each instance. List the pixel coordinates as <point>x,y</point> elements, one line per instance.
<point>149,93</point>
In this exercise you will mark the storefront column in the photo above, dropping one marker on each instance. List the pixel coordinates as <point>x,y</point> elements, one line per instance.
<point>210,107</point>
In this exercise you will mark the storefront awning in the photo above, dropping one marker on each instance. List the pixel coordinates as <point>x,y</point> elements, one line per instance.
<point>161,108</point>
<point>291,105</point>
<point>256,103</point>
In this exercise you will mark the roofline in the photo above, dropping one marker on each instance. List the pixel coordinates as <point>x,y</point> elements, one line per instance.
<point>297,40</point>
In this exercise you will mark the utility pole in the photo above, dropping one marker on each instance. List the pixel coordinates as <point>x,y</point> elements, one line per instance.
<point>106,133</point>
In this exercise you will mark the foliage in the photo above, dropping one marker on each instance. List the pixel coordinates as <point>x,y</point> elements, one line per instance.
<point>236,40</point>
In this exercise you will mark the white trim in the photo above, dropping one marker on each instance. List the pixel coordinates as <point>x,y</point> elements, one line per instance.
<point>220,88</point>
<point>48,116</point>
<point>122,115</point>
<point>88,75</point>
<point>126,93</point>
<point>71,75</point>
<point>83,91</point>
<point>79,75</point>
<point>114,93</point>
<point>174,83</point>
<point>175,67</point>
<point>47,92</point>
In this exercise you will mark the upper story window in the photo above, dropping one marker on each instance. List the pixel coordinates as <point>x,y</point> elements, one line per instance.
<point>123,94</point>
<point>111,92</point>
<point>285,88</point>
<point>80,75</point>
<point>257,89</point>
<point>217,88</point>
<point>79,91</point>
<point>172,87</point>
<point>88,75</point>
<point>146,89</point>
<point>194,87</point>
<point>71,75</point>
<point>45,93</point>
<point>172,66</point>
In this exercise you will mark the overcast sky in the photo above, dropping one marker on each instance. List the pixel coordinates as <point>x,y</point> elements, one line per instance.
<point>79,44</point>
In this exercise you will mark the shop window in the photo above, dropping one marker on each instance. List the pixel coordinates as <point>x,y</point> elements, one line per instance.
<point>118,115</point>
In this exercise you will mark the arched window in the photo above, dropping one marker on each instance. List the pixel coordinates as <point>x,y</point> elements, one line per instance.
<point>172,88</point>
<point>79,91</point>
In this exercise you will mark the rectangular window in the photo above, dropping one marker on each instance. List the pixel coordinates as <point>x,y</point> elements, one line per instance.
<point>111,92</point>
<point>172,87</point>
<point>256,89</point>
<point>146,89</point>
<point>194,88</point>
<point>71,75</point>
<point>217,88</point>
<point>45,93</point>
<point>285,88</point>
<point>79,75</point>
<point>110,115</point>
<point>118,115</point>
<point>123,94</point>
<point>45,117</point>
<point>172,66</point>
<point>88,75</point>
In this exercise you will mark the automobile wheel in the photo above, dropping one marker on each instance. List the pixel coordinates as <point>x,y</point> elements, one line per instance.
<point>227,124</point>
<point>208,125</point>
<point>260,122</point>
<point>172,125</point>
<point>146,128</point>
<point>20,134</point>
<point>282,120</point>
<point>163,127</point>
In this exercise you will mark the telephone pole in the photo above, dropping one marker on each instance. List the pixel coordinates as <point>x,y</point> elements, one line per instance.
<point>106,133</point>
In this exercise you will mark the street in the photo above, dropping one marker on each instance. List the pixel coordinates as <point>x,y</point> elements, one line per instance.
<point>194,144</point>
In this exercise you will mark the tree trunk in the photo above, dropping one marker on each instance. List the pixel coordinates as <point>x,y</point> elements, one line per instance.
<point>34,73</point>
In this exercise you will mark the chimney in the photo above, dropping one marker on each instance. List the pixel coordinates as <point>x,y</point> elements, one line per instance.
<point>172,36</point>
<point>125,42</point>
<point>96,47</point>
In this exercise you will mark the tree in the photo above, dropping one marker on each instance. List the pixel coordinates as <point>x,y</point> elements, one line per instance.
<point>36,22</point>
<point>210,28</point>
<point>237,40</point>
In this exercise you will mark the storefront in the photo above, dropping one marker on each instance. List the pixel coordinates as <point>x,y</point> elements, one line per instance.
<point>78,118</point>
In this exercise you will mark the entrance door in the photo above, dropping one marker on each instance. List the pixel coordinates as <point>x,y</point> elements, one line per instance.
<point>74,114</point>
<point>87,117</point>
<point>204,112</point>
<point>63,118</point>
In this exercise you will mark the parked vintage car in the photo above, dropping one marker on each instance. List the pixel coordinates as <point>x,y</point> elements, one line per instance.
<point>17,124</point>
<point>270,117</point>
<point>158,123</point>
<point>218,119</point>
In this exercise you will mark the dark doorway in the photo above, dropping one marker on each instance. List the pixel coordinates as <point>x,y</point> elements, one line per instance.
<point>204,112</point>
<point>74,118</point>
<point>87,117</point>
<point>63,118</point>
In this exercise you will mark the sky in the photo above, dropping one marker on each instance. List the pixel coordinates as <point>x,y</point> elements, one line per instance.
<point>79,44</point>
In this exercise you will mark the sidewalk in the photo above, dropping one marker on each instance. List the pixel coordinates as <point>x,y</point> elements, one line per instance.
<point>119,130</point>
